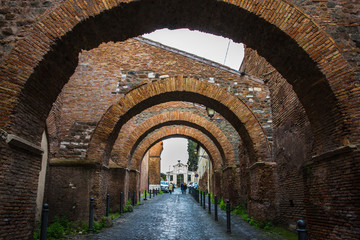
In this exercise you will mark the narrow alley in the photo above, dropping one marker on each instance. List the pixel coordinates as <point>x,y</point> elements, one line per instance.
<point>176,216</point>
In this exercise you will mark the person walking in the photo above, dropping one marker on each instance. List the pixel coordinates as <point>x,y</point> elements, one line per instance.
<point>185,187</point>
<point>171,187</point>
<point>182,188</point>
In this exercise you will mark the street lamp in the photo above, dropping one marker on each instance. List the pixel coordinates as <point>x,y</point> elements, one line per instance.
<point>210,112</point>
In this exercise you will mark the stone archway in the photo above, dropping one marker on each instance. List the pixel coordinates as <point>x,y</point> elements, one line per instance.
<point>176,118</point>
<point>179,89</point>
<point>176,131</point>
<point>38,67</point>
<point>319,80</point>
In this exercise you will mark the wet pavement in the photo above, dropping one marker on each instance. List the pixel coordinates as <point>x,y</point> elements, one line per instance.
<point>176,216</point>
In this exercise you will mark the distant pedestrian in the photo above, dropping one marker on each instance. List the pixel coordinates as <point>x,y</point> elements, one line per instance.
<point>182,188</point>
<point>171,188</point>
<point>185,187</point>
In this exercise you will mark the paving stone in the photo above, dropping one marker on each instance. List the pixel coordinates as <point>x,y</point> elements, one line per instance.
<point>176,216</point>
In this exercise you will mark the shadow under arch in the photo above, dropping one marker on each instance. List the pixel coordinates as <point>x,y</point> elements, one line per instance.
<point>234,110</point>
<point>48,56</point>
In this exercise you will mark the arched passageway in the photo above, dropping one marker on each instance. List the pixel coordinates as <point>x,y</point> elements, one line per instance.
<point>127,148</point>
<point>35,71</point>
<point>316,80</point>
<point>179,89</point>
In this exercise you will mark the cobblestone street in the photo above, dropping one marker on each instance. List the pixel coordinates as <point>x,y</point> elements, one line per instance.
<point>176,216</point>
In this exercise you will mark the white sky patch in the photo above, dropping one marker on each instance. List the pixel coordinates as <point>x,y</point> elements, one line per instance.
<point>174,149</point>
<point>204,45</point>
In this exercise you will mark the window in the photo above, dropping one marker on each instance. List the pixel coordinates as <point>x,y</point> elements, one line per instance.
<point>171,178</point>
<point>189,178</point>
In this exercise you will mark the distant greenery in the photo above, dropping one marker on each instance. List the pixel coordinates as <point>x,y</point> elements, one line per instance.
<point>162,176</point>
<point>241,211</point>
<point>62,227</point>
<point>193,159</point>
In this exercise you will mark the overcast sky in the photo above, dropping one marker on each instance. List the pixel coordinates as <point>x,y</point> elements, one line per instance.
<point>215,48</point>
<point>201,44</point>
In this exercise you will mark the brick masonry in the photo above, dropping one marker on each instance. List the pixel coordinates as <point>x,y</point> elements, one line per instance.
<point>325,81</point>
<point>304,181</point>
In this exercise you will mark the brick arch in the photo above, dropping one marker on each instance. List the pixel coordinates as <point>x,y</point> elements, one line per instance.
<point>189,119</point>
<point>45,59</point>
<point>229,106</point>
<point>176,131</point>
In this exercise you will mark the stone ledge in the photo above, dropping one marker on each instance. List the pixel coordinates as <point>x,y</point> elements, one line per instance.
<point>19,142</point>
<point>334,152</point>
<point>259,164</point>
<point>66,162</point>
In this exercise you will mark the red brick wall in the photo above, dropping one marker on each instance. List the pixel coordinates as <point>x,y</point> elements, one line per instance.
<point>292,139</point>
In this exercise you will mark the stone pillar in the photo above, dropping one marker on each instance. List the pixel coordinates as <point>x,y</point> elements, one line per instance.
<point>261,203</point>
<point>154,165</point>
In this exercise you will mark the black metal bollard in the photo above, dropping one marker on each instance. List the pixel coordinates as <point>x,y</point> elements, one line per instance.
<point>209,201</point>
<point>204,206</point>
<point>145,195</point>
<point>139,197</point>
<point>197,195</point>
<point>134,198</point>
<point>154,190</point>
<point>215,209</point>
<point>107,205</point>
<point>301,229</point>
<point>121,202</point>
<point>200,198</point>
<point>150,193</point>
<point>44,221</point>
<point>91,215</point>
<point>228,227</point>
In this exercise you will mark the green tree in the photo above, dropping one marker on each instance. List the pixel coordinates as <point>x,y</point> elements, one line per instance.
<point>162,176</point>
<point>193,160</point>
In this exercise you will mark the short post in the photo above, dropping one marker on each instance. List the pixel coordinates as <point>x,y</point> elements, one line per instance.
<point>134,198</point>
<point>121,202</point>
<point>197,195</point>
<point>139,197</point>
<point>91,215</point>
<point>107,205</point>
<point>145,195</point>
<point>209,201</point>
<point>228,227</point>
<point>204,206</point>
<point>129,195</point>
<point>215,208</point>
<point>150,193</point>
<point>301,229</point>
<point>154,190</point>
<point>200,198</point>
<point>44,221</point>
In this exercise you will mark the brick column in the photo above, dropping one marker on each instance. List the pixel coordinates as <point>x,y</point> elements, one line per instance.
<point>262,191</point>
